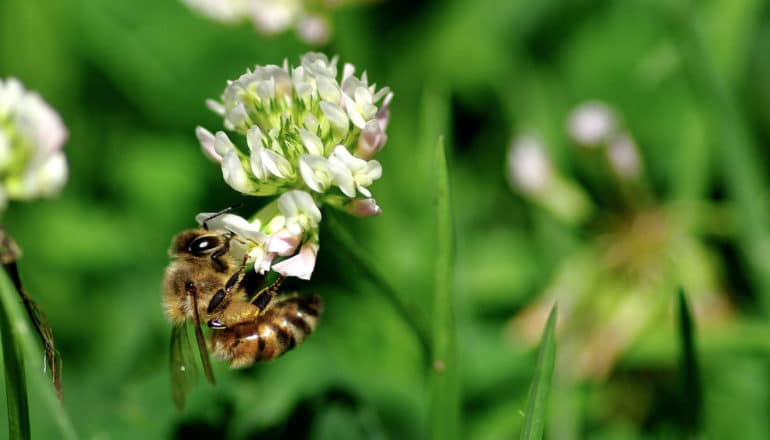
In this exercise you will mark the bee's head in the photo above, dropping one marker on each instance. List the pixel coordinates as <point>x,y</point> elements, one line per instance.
<point>196,243</point>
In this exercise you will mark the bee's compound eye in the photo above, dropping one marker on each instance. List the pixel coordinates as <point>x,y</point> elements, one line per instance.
<point>202,245</point>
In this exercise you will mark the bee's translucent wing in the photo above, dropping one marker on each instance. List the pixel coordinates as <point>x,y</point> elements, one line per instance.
<point>183,370</point>
<point>204,352</point>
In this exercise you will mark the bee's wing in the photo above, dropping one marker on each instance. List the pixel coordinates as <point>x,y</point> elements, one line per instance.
<point>204,352</point>
<point>183,370</point>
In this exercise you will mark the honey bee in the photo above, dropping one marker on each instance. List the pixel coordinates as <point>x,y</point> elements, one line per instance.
<point>205,284</point>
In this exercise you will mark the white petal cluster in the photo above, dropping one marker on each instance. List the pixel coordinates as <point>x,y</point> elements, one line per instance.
<point>289,235</point>
<point>32,163</point>
<point>304,129</point>
<point>591,123</point>
<point>270,17</point>
<point>596,125</point>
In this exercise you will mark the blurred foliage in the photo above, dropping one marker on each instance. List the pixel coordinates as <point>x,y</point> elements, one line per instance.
<point>130,79</point>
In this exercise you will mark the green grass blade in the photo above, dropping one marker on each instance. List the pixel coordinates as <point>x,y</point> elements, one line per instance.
<point>15,383</point>
<point>744,173</point>
<point>408,311</point>
<point>537,402</point>
<point>692,397</point>
<point>445,386</point>
<point>24,338</point>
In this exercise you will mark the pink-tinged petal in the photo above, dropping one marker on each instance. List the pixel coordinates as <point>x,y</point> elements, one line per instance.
<point>207,141</point>
<point>363,208</point>
<point>371,140</point>
<point>383,114</point>
<point>283,243</point>
<point>300,265</point>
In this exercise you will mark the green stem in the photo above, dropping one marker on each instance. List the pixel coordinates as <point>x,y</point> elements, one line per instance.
<point>537,403</point>
<point>407,310</point>
<point>15,383</point>
<point>445,420</point>
<point>16,332</point>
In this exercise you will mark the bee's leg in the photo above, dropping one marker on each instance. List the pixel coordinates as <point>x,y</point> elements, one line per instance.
<point>220,295</point>
<point>263,297</point>
<point>236,313</point>
<point>222,251</point>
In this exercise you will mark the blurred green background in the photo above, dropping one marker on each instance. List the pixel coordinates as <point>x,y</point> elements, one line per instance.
<point>691,82</point>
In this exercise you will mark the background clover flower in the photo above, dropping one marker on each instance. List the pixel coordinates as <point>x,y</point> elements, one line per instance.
<point>32,163</point>
<point>271,17</point>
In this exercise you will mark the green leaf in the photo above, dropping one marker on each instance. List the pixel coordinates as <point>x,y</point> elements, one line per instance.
<point>20,345</point>
<point>692,396</point>
<point>537,402</point>
<point>445,385</point>
<point>15,384</point>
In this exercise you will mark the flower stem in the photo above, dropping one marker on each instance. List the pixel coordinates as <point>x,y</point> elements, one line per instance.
<point>408,310</point>
<point>445,420</point>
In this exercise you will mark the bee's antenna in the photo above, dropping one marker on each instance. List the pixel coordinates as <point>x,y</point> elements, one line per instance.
<point>204,223</point>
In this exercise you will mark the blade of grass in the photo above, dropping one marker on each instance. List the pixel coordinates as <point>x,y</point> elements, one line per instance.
<point>537,402</point>
<point>15,384</point>
<point>409,312</point>
<point>692,401</point>
<point>445,386</point>
<point>736,151</point>
<point>15,318</point>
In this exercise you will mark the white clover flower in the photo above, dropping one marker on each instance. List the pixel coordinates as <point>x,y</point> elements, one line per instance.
<point>304,130</point>
<point>591,124</point>
<point>308,140</point>
<point>271,17</point>
<point>32,135</point>
<point>529,168</point>
<point>624,157</point>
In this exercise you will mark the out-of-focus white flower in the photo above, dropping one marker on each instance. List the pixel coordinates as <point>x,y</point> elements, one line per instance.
<point>591,123</point>
<point>271,17</point>
<point>624,157</point>
<point>32,135</point>
<point>531,172</point>
<point>314,29</point>
<point>226,11</point>
<point>529,168</point>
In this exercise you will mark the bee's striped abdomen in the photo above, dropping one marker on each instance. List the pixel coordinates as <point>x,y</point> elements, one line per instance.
<point>283,325</point>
